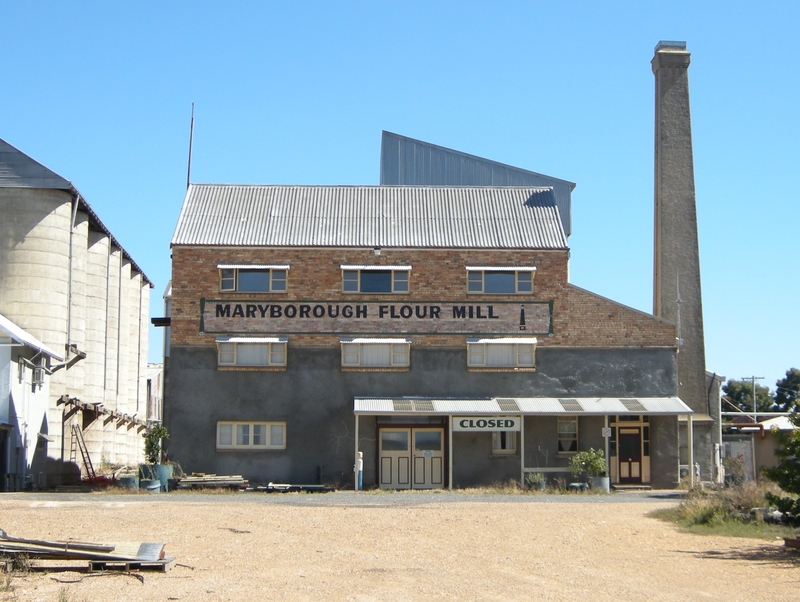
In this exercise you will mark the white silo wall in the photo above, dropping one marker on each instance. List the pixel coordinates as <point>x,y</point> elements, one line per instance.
<point>123,351</point>
<point>34,262</point>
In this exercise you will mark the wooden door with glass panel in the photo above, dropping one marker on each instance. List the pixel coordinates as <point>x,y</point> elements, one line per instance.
<point>629,455</point>
<point>428,453</point>
<point>411,458</point>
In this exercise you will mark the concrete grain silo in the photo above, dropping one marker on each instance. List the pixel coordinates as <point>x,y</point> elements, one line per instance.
<point>66,280</point>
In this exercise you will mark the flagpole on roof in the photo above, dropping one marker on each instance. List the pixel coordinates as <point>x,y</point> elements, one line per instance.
<point>191,134</point>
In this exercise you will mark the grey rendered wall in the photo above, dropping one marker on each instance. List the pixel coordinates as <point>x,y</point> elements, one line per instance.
<point>315,399</point>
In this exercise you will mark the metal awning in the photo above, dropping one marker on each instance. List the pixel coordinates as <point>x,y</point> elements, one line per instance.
<point>251,339</point>
<point>247,266</point>
<point>495,268</point>
<point>362,266</point>
<point>543,406</point>
<point>503,341</point>
<point>374,340</point>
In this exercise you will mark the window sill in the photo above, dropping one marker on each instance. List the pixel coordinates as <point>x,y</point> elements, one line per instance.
<point>248,450</point>
<point>499,369</point>
<point>376,369</point>
<point>251,368</point>
<point>508,456</point>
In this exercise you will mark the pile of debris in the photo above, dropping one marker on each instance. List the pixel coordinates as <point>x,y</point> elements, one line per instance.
<point>99,556</point>
<point>201,480</point>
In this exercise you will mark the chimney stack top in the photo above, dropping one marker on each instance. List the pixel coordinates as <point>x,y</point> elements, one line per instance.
<point>670,45</point>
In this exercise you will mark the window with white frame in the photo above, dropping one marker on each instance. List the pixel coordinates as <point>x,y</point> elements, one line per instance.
<point>504,442</point>
<point>376,353</point>
<point>375,278</point>
<point>251,352</point>
<point>567,434</point>
<point>251,436</point>
<point>252,278</point>
<point>500,281</point>
<point>501,353</point>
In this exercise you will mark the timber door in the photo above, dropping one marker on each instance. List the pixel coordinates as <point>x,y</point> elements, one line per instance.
<point>411,458</point>
<point>630,455</point>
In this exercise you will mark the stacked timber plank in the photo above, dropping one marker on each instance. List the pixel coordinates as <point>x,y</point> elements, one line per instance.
<point>98,555</point>
<point>199,480</point>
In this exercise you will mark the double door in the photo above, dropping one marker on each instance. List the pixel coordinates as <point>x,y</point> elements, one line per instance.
<point>411,458</point>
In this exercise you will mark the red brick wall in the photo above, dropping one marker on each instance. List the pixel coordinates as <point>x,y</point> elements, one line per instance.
<point>580,319</point>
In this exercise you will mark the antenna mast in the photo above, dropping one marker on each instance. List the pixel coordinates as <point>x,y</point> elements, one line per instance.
<point>191,135</point>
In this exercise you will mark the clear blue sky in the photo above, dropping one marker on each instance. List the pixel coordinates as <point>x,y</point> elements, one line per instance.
<point>298,93</point>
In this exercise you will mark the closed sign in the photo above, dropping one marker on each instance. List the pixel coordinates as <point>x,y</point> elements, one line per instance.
<point>480,423</point>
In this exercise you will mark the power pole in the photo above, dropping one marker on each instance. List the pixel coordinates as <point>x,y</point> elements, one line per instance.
<point>755,402</point>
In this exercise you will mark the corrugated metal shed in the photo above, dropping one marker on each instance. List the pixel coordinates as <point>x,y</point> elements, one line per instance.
<point>597,406</point>
<point>370,216</point>
<point>409,162</point>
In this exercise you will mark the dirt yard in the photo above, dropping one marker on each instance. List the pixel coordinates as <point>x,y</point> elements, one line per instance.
<point>395,546</point>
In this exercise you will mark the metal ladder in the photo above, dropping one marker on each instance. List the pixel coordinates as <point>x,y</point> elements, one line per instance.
<point>77,439</point>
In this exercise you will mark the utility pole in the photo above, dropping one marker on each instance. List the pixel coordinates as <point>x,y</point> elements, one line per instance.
<point>755,402</point>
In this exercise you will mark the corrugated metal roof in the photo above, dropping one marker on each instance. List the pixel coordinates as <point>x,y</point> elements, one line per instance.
<point>370,216</point>
<point>667,406</point>
<point>406,161</point>
<point>20,336</point>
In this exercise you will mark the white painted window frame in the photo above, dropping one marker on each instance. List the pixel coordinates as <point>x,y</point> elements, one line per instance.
<point>237,443</point>
<point>231,348</point>
<point>399,354</point>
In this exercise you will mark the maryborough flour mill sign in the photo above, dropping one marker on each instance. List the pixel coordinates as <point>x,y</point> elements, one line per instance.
<point>316,317</point>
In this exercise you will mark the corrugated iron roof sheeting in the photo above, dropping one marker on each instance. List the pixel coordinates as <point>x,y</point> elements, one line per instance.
<point>370,216</point>
<point>670,406</point>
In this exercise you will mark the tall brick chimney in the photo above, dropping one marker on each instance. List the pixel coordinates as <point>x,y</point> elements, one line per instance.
<point>677,260</point>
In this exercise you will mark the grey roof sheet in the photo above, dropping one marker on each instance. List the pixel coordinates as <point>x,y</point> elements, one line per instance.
<point>371,216</point>
<point>406,161</point>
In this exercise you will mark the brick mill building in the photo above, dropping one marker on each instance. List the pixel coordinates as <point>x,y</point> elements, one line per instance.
<point>427,323</point>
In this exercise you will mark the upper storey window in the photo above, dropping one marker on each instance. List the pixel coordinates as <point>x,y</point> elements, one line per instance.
<point>375,278</point>
<point>253,278</point>
<point>499,280</point>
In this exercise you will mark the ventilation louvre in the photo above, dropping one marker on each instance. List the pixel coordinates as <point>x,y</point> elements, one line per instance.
<point>634,406</point>
<point>571,405</point>
<point>508,405</point>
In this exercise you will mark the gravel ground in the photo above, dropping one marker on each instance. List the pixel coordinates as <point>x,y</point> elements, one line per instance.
<point>396,546</point>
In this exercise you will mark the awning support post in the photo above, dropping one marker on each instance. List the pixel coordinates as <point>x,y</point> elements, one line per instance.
<point>450,453</point>
<point>522,451</point>
<point>690,437</point>
<point>355,459</point>
<point>608,460</point>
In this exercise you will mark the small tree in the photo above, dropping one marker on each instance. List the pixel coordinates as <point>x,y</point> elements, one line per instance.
<point>740,392</point>
<point>787,391</point>
<point>592,463</point>
<point>152,442</point>
<point>787,473</point>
